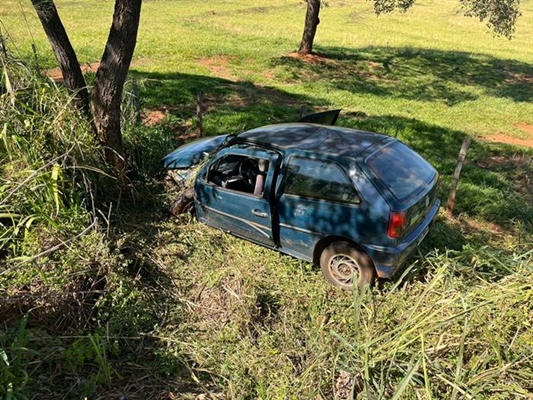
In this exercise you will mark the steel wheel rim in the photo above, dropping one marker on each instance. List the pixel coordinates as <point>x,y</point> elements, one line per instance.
<point>344,269</point>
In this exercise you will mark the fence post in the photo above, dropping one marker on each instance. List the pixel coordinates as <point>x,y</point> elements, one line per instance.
<point>303,110</point>
<point>136,102</point>
<point>458,167</point>
<point>36,59</point>
<point>200,112</point>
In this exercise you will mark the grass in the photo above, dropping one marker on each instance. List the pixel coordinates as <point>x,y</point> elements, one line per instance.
<point>128,302</point>
<point>480,86</point>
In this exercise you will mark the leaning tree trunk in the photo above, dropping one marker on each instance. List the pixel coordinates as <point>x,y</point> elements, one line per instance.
<point>110,79</point>
<point>311,23</point>
<point>64,53</point>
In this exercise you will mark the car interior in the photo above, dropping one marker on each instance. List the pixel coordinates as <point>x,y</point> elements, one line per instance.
<point>240,173</point>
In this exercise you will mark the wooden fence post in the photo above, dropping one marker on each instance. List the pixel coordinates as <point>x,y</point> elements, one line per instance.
<point>200,112</point>
<point>35,58</point>
<point>303,110</point>
<point>136,102</point>
<point>456,175</point>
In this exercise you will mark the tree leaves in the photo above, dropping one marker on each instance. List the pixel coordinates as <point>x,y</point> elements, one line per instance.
<point>387,6</point>
<point>500,15</point>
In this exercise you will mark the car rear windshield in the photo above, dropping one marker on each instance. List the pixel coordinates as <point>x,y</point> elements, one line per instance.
<point>401,169</point>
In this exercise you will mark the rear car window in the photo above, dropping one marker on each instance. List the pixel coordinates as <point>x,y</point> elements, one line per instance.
<point>319,180</point>
<point>401,169</point>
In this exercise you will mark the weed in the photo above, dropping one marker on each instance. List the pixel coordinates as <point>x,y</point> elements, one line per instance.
<point>14,358</point>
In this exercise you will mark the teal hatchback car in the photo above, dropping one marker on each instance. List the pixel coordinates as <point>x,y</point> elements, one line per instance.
<point>356,203</point>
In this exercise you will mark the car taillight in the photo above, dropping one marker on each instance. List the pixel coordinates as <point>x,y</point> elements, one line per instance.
<point>397,222</point>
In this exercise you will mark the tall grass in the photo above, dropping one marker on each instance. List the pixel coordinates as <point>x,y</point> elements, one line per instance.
<point>260,325</point>
<point>49,163</point>
<point>70,288</point>
<point>461,337</point>
<point>48,158</point>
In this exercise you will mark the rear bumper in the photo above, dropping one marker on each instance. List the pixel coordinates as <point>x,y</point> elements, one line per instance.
<point>388,260</point>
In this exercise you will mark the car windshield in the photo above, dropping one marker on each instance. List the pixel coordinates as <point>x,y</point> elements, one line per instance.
<point>401,169</point>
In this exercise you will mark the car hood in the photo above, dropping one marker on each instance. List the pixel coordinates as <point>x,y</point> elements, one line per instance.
<point>192,153</point>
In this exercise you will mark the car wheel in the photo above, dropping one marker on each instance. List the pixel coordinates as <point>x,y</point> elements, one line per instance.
<point>343,265</point>
<point>184,203</point>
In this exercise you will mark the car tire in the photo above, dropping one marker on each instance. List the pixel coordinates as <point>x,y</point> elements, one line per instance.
<point>184,203</point>
<point>343,265</point>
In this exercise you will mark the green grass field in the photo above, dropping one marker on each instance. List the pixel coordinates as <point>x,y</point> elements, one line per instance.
<point>148,307</point>
<point>431,64</point>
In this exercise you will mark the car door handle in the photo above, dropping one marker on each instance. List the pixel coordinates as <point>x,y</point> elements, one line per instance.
<point>259,213</point>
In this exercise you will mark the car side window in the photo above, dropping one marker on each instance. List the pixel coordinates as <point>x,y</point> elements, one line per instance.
<point>240,173</point>
<point>319,180</point>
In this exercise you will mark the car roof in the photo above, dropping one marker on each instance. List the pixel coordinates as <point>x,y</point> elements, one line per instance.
<point>313,137</point>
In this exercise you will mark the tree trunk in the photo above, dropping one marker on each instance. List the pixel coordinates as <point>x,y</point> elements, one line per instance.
<point>110,79</point>
<point>64,53</point>
<point>311,23</point>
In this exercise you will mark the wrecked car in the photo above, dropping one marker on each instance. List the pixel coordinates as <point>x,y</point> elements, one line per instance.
<point>356,203</point>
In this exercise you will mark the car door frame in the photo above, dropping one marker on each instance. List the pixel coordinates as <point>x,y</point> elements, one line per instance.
<point>298,240</point>
<point>243,214</point>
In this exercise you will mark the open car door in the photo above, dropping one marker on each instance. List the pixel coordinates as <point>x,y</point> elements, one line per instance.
<point>323,118</point>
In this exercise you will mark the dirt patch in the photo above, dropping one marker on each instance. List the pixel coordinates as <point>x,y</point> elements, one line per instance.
<point>474,225</point>
<point>343,385</point>
<point>218,65</point>
<point>503,138</point>
<point>182,131</point>
<point>269,75</point>
<point>339,69</point>
<point>312,58</point>
<point>153,117</point>
<point>56,75</point>
<point>525,128</point>
<point>516,78</point>
<point>516,162</point>
<point>497,162</point>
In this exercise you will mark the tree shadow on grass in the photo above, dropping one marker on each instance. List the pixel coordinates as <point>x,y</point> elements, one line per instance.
<point>230,107</point>
<point>412,73</point>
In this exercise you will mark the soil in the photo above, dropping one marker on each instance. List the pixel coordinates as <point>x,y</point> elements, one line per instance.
<point>56,75</point>
<point>153,117</point>
<point>312,58</point>
<point>218,65</point>
<point>526,128</point>
<point>372,74</point>
<point>504,138</point>
<point>514,78</point>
